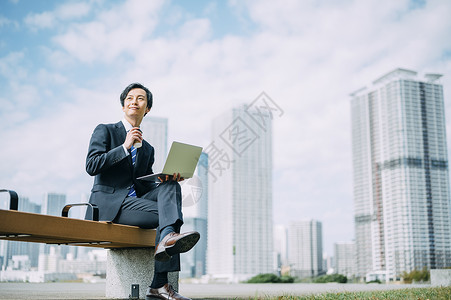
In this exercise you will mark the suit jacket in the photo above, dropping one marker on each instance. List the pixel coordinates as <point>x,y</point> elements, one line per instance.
<point>113,169</point>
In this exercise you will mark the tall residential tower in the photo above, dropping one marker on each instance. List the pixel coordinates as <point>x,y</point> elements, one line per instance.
<point>401,181</point>
<point>240,232</point>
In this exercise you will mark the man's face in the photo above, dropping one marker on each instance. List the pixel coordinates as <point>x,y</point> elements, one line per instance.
<point>135,104</point>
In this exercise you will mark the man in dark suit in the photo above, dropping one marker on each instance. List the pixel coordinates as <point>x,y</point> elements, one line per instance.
<point>117,155</point>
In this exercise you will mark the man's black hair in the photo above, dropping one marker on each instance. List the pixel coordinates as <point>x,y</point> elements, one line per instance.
<point>137,86</point>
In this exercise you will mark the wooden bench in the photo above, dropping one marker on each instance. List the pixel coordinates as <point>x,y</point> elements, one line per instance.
<point>37,228</point>
<point>129,262</point>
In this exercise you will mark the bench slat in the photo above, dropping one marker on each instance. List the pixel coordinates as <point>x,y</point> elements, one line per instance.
<point>31,227</point>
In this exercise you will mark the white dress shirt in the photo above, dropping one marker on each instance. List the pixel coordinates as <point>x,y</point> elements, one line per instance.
<point>128,127</point>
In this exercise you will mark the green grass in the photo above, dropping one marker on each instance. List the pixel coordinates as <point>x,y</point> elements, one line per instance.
<point>441,293</point>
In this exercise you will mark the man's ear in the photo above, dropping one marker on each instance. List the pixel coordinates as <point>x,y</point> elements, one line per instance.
<point>147,110</point>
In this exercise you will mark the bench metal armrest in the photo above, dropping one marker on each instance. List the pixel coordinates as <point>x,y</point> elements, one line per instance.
<point>14,199</point>
<point>94,209</point>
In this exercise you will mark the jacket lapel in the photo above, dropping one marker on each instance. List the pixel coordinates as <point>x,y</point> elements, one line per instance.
<point>120,131</point>
<point>121,134</point>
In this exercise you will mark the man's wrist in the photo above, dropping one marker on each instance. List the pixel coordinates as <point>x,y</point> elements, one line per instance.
<point>125,149</point>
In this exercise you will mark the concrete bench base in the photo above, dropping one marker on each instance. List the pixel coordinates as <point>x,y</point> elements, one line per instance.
<point>131,266</point>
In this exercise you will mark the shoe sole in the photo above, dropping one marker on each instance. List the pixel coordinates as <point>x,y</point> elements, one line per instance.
<point>181,246</point>
<point>184,244</point>
<point>162,256</point>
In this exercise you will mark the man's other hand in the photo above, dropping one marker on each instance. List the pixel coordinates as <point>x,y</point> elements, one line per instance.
<point>174,177</point>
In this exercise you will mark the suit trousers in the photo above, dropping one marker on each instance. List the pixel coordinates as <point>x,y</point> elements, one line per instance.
<point>160,207</point>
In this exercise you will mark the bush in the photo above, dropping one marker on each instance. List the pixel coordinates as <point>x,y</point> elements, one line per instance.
<point>264,278</point>
<point>417,276</point>
<point>375,281</point>
<point>270,278</point>
<point>286,279</point>
<point>331,278</point>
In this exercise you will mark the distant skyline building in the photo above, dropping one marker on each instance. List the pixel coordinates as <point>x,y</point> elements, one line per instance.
<point>155,132</point>
<point>4,204</point>
<point>38,262</point>
<point>328,263</point>
<point>305,248</point>
<point>280,246</point>
<point>8,249</point>
<point>401,179</point>
<point>344,259</point>
<point>53,204</point>
<point>240,223</point>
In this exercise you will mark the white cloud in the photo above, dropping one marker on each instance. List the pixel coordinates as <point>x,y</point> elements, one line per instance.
<point>196,30</point>
<point>4,21</point>
<point>112,32</point>
<point>73,10</point>
<point>43,20</point>
<point>52,148</point>
<point>11,66</point>
<point>52,19</point>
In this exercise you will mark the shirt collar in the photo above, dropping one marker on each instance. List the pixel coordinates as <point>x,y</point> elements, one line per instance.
<point>127,125</point>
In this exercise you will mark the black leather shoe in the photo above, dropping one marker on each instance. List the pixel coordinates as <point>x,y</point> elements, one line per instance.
<point>175,243</point>
<point>166,292</point>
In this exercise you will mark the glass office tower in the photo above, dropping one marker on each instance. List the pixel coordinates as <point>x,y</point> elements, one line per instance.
<point>401,180</point>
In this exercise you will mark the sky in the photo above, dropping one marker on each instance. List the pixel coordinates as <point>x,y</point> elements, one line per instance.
<point>63,65</point>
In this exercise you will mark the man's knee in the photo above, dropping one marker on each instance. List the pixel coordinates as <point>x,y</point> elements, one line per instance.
<point>172,186</point>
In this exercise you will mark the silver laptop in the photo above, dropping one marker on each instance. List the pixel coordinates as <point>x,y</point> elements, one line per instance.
<point>182,158</point>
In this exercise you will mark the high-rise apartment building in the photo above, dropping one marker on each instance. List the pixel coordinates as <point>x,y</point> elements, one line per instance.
<point>305,248</point>
<point>401,180</point>
<point>155,131</point>
<point>240,233</point>
<point>344,259</point>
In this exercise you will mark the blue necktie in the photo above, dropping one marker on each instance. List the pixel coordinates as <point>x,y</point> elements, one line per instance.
<point>132,192</point>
